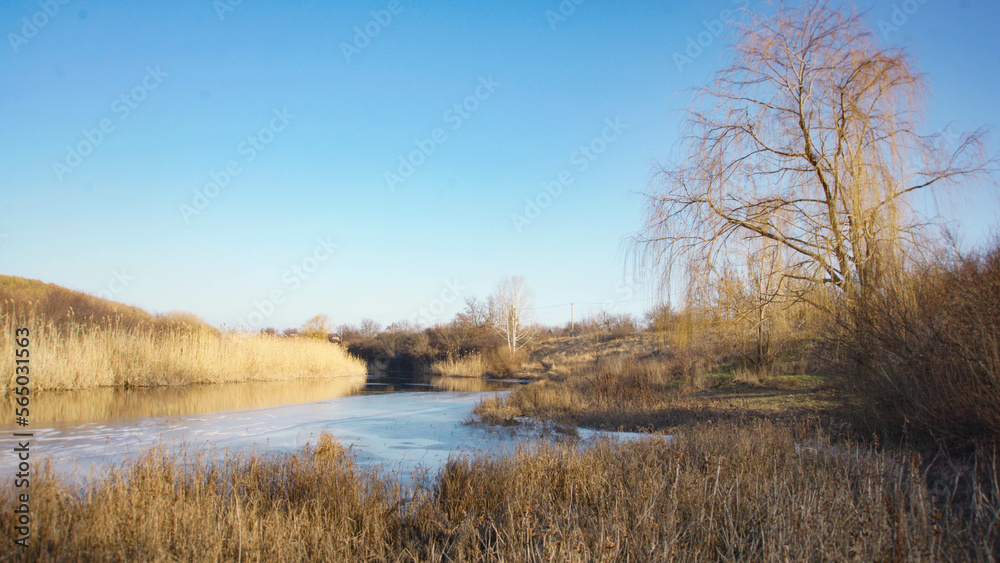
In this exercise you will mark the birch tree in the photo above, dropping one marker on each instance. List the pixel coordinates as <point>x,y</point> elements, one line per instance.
<point>511,311</point>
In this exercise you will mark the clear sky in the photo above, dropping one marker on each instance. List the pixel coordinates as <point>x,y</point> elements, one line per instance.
<point>203,156</point>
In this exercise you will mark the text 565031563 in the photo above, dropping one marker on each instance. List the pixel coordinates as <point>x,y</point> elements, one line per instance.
<point>22,404</point>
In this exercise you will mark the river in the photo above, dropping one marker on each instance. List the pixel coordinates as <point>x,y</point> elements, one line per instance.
<point>403,426</point>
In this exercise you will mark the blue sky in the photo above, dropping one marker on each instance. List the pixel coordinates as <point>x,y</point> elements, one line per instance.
<point>498,96</point>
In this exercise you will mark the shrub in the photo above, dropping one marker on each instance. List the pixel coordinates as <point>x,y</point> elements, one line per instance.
<point>925,353</point>
<point>503,363</point>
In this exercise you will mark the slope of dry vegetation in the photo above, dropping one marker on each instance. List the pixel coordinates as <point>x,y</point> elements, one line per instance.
<point>914,364</point>
<point>62,306</point>
<point>723,492</point>
<point>692,365</point>
<point>80,341</point>
<point>918,359</point>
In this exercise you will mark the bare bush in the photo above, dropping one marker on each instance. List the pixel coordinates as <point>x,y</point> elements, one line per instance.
<point>926,353</point>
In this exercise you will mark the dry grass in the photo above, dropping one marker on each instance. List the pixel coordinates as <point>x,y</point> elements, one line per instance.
<point>659,390</point>
<point>80,355</point>
<point>563,356</point>
<point>716,492</point>
<point>60,305</point>
<point>472,365</point>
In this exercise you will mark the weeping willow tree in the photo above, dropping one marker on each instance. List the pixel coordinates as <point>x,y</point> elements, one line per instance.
<point>805,147</point>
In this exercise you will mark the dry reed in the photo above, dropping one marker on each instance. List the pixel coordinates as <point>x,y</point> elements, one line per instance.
<point>724,492</point>
<point>472,365</point>
<point>76,355</point>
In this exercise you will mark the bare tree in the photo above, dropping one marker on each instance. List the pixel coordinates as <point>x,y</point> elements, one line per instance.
<point>404,325</point>
<point>475,315</point>
<point>807,141</point>
<point>370,328</point>
<point>511,311</point>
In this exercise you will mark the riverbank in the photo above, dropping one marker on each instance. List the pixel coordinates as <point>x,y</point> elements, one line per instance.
<point>751,471</point>
<point>724,491</point>
<point>656,384</point>
<point>644,382</point>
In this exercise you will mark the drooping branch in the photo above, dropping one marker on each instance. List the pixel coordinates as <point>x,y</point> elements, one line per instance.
<point>808,141</point>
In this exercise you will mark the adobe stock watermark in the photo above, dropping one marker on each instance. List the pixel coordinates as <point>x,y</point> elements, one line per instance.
<point>364,34</point>
<point>33,24</point>
<point>696,44</point>
<point>225,7</point>
<point>455,116</point>
<point>625,290</point>
<point>117,284</point>
<point>949,137</point>
<point>563,11</point>
<point>581,160</point>
<point>249,149</point>
<point>900,16</point>
<point>936,144</point>
<point>122,107</point>
<point>433,311</point>
<point>291,280</point>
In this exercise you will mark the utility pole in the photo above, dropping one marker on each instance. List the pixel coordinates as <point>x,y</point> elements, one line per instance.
<point>572,326</point>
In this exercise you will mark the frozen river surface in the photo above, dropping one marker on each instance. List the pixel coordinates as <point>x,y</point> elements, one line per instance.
<point>403,432</point>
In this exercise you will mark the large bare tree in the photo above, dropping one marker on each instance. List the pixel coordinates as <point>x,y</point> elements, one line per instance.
<point>511,310</point>
<point>807,140</point>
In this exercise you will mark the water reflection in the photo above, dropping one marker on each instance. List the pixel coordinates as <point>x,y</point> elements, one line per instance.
<point>437,383</point>
<point>108,403</point>
<point>472,384</point>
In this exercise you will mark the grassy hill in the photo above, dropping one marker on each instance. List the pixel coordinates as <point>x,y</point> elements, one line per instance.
<point>62,306</point>
<point>79,341</point>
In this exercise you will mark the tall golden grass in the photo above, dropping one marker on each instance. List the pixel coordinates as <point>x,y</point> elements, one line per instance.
<point>617,393</point>
<point>76,355</point>
<point>472,365</point>
<point>716,492</point>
